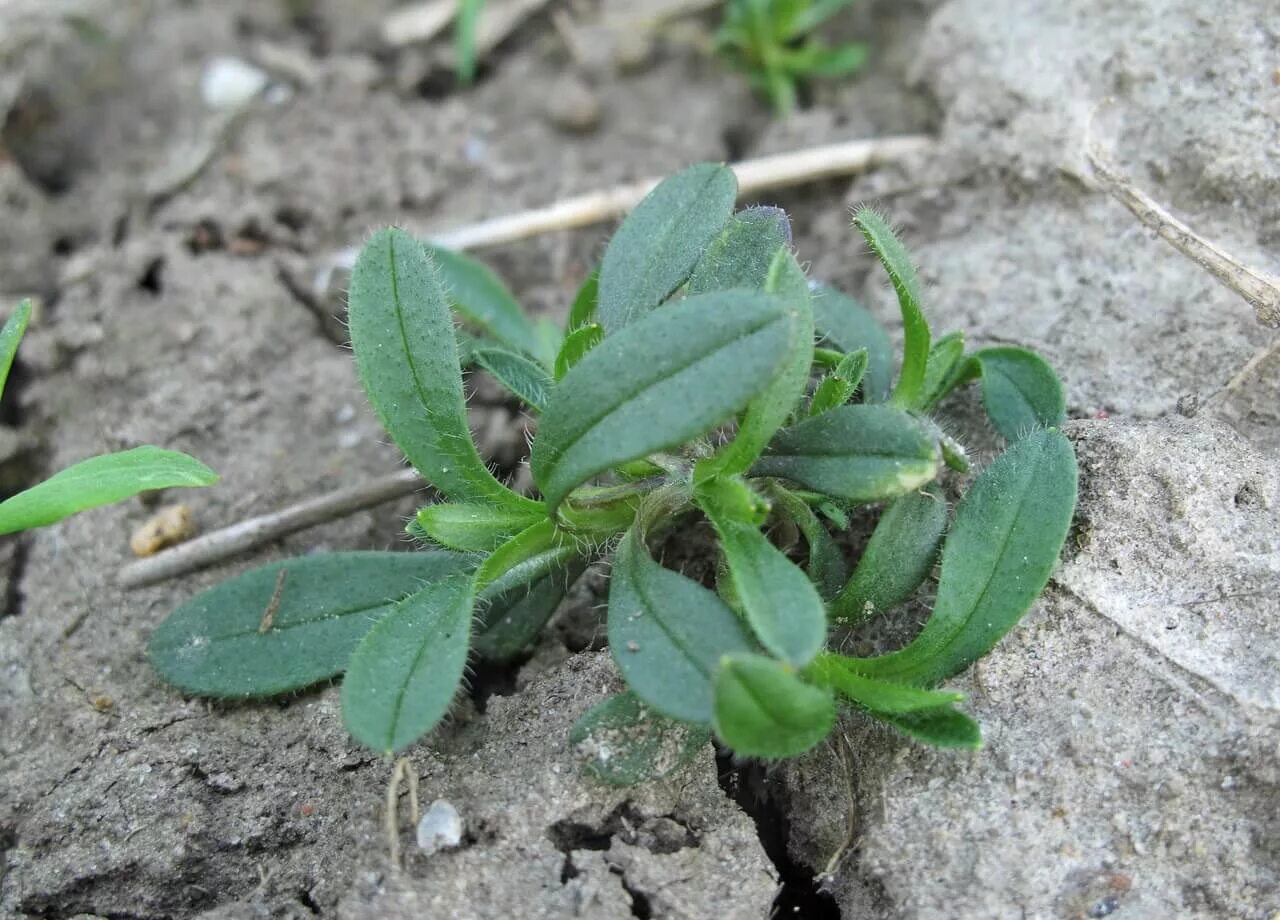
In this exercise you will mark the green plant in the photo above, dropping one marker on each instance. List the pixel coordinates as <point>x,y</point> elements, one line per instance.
<point>467,19</point>
<point>698,378</point>
<point>94,482</point>
<point>773,43</point>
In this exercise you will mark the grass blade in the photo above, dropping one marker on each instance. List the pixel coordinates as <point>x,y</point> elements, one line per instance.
<point>102,481</point>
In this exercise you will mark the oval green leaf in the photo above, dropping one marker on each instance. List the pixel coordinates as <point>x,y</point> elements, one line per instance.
<point>668,633</point>
<point>1020,390</point>
<point>742,252</point>
<point>472,528</point>
<point>996,560</point>
<point>859,453</point>
<point>510,623</point>
<point>764,709</point>
<point>843,322</point>
<point>661,240</point>
<point>484,302</point>
<point>898,558</point>
<point>779,602</point>
<point>576,345</point>
<point>622,742</point>
<point>215,644</point>
<point>530,383</point>
<point>827,567</point>
<point>664,380</point>
<point>101,481</point>
<point>403,337</point>
<point>403,675</point>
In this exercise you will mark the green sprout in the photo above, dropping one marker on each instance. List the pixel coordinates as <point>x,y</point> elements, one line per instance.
<point>466,57</point>
<point>772,43</point>
<point>97,481</point>
<point>700,376</point>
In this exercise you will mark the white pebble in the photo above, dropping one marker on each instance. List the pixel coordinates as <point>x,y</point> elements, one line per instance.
<point>229,83</point>
<point>440,828</point>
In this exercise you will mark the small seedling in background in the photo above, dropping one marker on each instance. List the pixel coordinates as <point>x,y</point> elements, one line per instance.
<point>466,20</point>
<point>94,482</point>
<point>773,43</point>
<point>699,376</point>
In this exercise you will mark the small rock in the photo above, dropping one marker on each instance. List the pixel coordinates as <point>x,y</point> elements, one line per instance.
<point>229,83</point>
<point>633,51</point>
<point>440,828</point>
<point>573,107</point>
<point>168,526</point>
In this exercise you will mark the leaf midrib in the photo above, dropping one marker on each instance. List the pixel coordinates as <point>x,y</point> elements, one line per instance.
<point>630,395</point>
<point>907,665</point>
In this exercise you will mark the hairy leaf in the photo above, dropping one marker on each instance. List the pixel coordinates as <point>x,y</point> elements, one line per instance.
<point>1020,390</point>
<point>909,392</point>
<point>576,345</point>
<point>524,558</point>
<point>771,409</point>
<point>485,303</point>
<point>827,567</point>
<point>898,557</point>
<point>944,728</point>
<point>472,528</point>
<point>10,337</point>
<point>402,334</point>
<point>996,560</point>
<point>944,369</point>
<point>764,709</point>
<point>846,324</point>
<point>778,600</point>
<point>661,240</point>
<point>668,633</point>
<point>583,309</point>
<point>881,697</point>
<point>664,380</point>
<point>511,622</point>
<point>101,481</point>
<point>403,675</point>
<point>859,453</point>
<point>314,614</point>
<point>527,380</point>
<point>623,742</point>
<point>836,388</point>
<point>743,251</point>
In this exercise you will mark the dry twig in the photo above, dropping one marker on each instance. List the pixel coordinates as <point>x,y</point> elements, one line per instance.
<point>227,542</point>
<point>1261,290</point>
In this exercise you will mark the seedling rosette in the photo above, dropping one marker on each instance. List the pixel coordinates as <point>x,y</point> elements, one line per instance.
<point>700,375</point>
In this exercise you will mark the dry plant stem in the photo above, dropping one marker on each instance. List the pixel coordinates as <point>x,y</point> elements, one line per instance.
<point>269,615</point>
<point>402,769</point>
<point>754,176</point>
<point>227,542</point>
<point>1259,289</point>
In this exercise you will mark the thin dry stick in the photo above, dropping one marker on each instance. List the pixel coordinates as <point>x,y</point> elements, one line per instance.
<point>1261,290</point>
<point>222,544</point>
<point>269,615</point>
<point>754,176</point>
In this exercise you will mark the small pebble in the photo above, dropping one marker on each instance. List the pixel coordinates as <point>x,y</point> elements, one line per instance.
<point>168,526</point>
<point>573,107</point>
<point>440,828</point>
<point>229,83</point>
